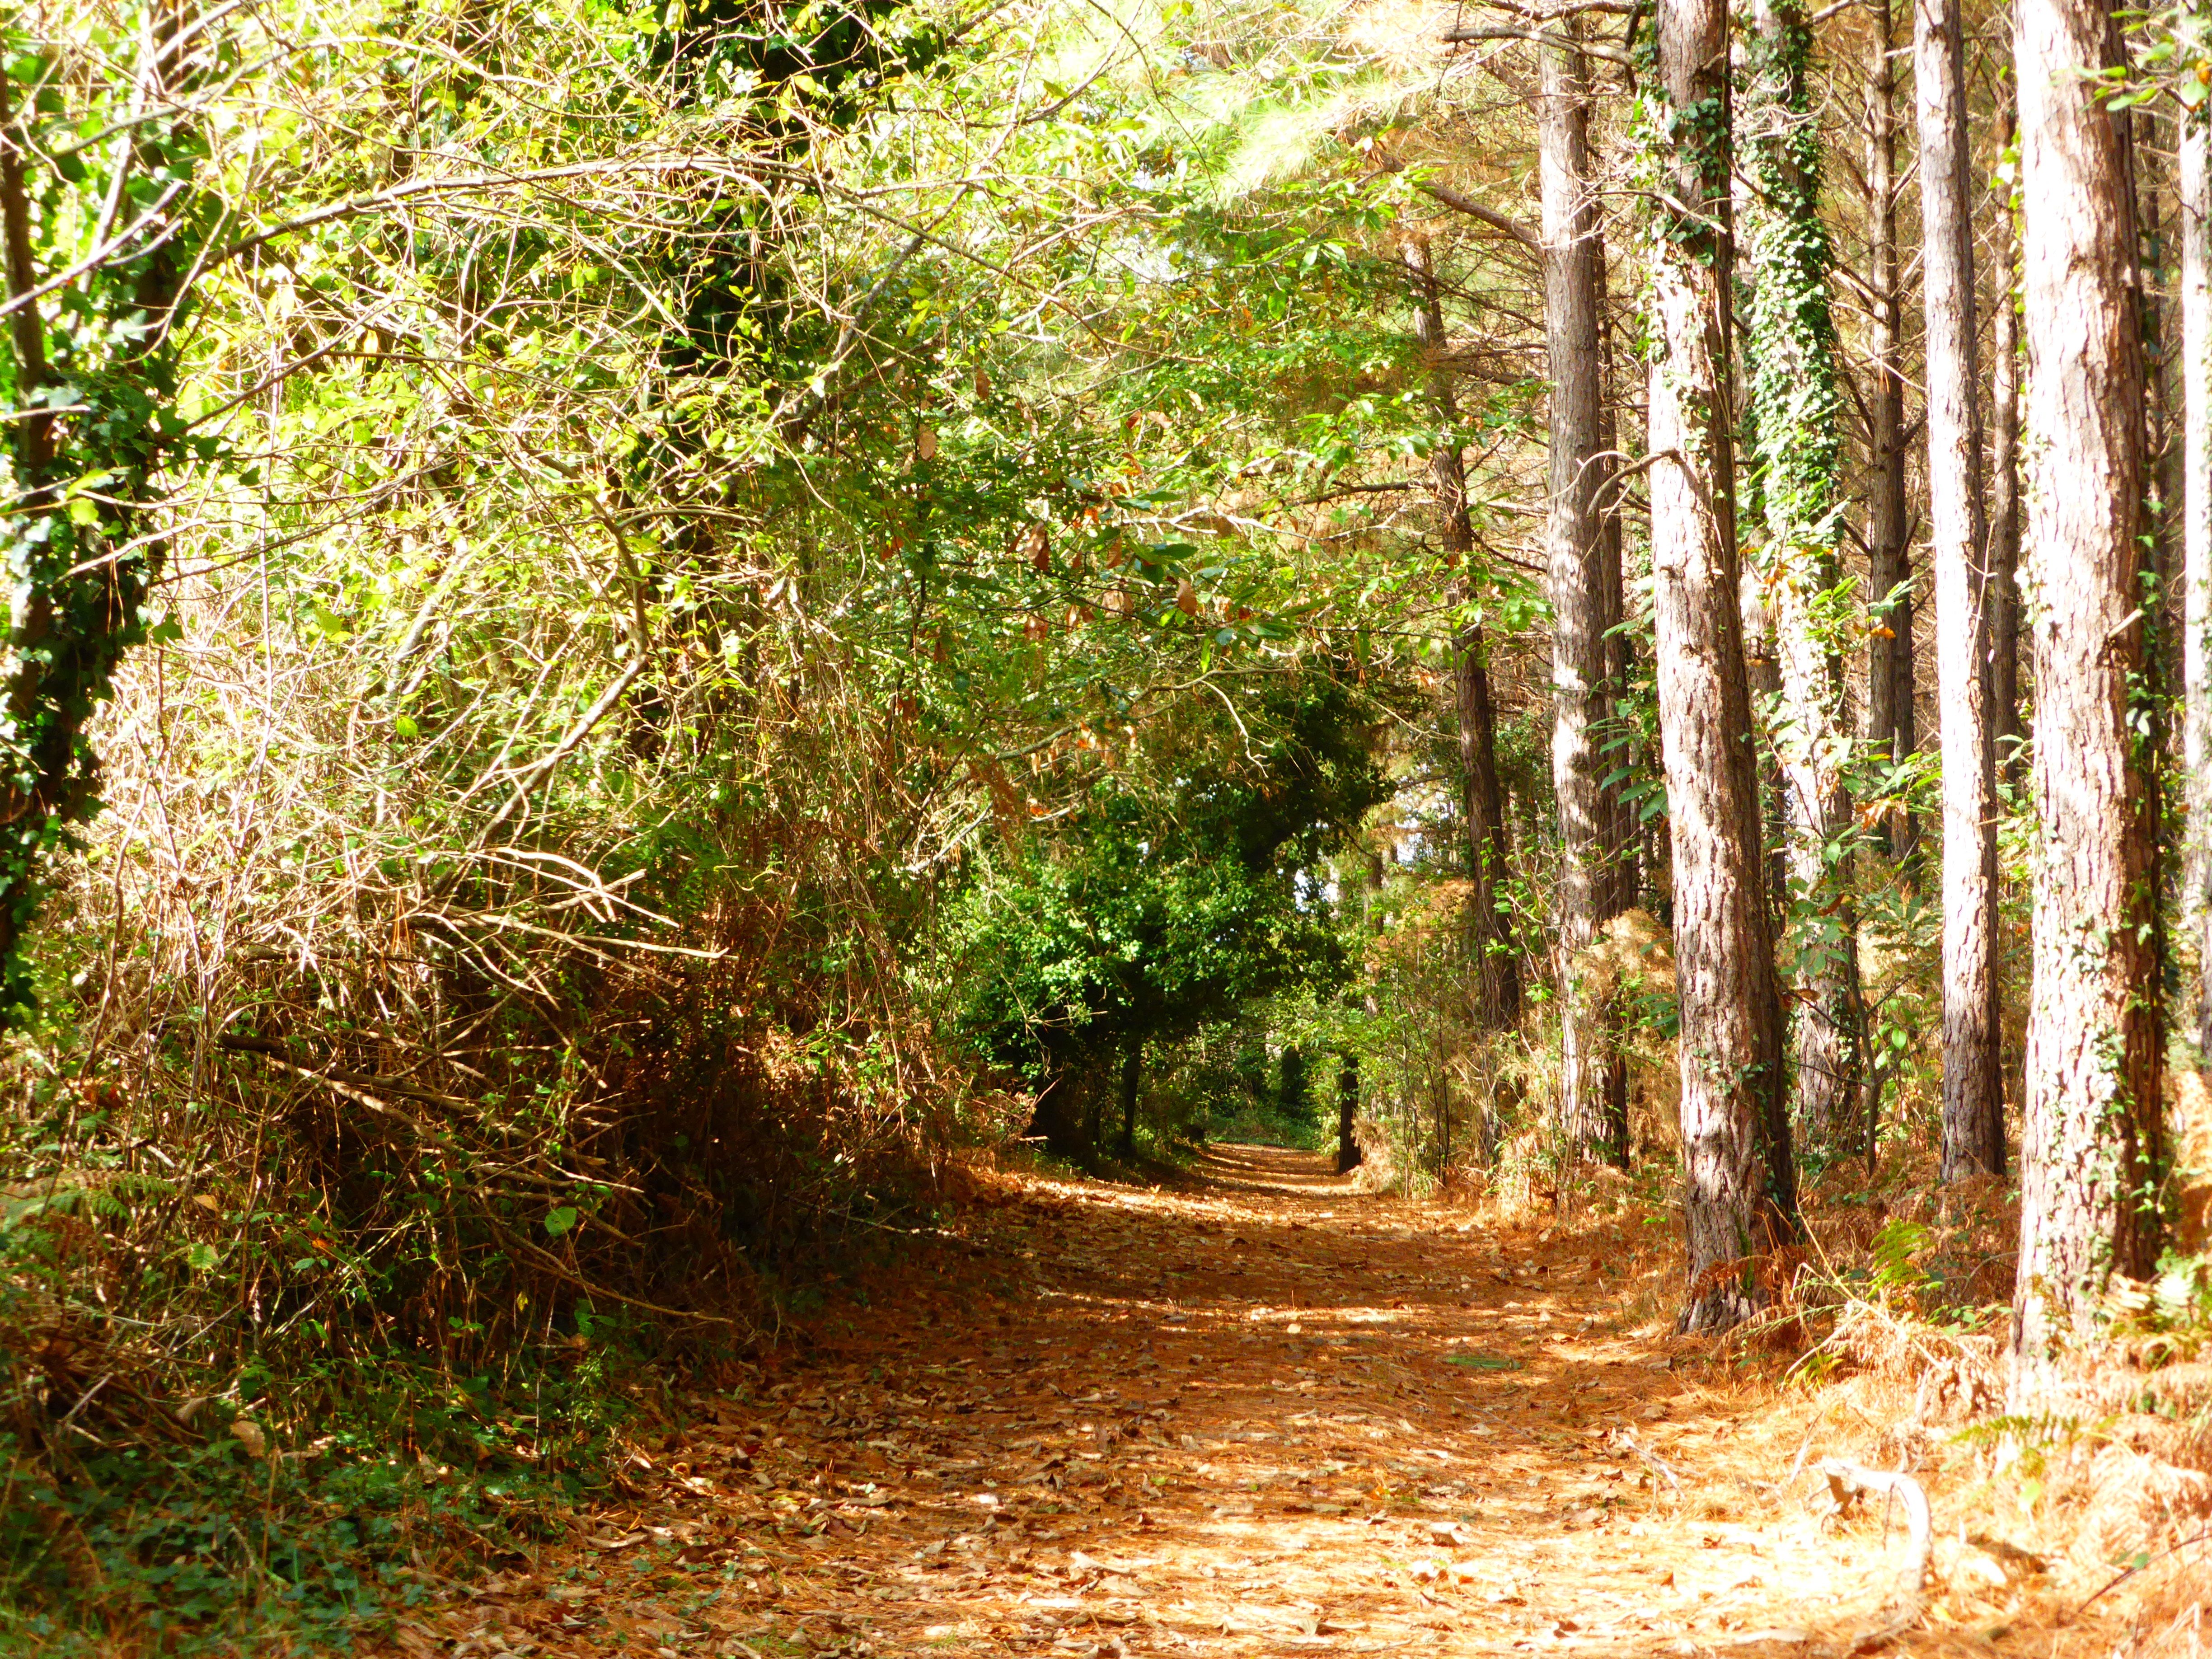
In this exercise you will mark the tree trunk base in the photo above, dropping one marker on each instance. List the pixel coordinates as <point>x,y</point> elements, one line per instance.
<point>1718,1308</point>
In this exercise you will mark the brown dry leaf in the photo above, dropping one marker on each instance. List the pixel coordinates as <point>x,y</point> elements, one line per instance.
<point>976,1458</point>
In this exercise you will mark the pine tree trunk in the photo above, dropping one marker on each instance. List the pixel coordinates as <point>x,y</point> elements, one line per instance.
<point>1891,728</point>
<point>1582,608</point>
<point>2005,725</point>
<point>1973,1101</point>
<point>2092,1109</point>
<point>1795,417</point>
<point>1739,1183</point>
<point>2196,207</point>
<point>1497,974</point>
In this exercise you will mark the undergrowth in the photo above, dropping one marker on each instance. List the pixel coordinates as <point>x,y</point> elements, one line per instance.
<point>342,1241</point>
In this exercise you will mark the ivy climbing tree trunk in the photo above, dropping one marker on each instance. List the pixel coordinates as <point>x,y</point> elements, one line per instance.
<point>1584,587</point>
<point>1973,1101</point>
<point>1794,419</point>
<point>1891,727</point>
<point>1497,974</point>
<point>79,567</point>
<point>2093,1111</point>
<point>2196,208</point>
<point>1739,1182</point>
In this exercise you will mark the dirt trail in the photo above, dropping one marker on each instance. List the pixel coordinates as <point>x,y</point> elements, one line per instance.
<point>1261,1414</point>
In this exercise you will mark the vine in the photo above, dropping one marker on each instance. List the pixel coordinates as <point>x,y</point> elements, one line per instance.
<point>1794,420</point>
<point>1795,407</point>
<point>99,235</point>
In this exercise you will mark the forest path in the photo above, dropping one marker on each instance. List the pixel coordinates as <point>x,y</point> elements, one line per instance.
<point>1259,1412</point>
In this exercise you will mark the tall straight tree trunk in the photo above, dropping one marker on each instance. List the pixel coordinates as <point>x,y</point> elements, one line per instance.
<point>1795,416</point>
<point>1497,974</point>
<point>1739,1182</point>
<point>2196,208</point>
<point>2092,1109</point>
<point>2005,727</point>
<point>1973,1098</point>
<point>1890,724</point>
<point>1582,608</point>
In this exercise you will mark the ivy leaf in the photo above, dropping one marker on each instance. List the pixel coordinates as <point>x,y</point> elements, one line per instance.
<point>560,1220</point>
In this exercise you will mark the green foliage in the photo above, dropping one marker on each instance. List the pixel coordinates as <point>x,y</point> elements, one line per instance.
<point>1895,1257</point>
<point>2168,1319</point>
<point>183,1534</point>
<point>1179,892</point>
<point>728,617</point>
<point>1794,413</point>
<point>1293,1100</point>
<point>98,158</point>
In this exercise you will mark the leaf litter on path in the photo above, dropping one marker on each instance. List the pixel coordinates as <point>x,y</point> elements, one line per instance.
<point>1259,1413</point>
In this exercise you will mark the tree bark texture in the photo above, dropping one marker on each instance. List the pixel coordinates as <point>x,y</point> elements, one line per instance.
<point>1793,420</point>
<point>1497,974</point>
<point>1585,592</point>
<point>2005,727</point>
<point>1973,1098</point>
<point>2196,284</point>
<point>2093,1109</point>
<point>1739,1183</point>
<point>1891,727</point>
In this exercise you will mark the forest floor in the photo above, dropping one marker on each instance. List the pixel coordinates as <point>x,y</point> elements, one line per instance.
<point>1256,1411</point>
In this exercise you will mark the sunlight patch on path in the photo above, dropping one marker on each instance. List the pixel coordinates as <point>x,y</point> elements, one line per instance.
<point>1266,1415</point>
